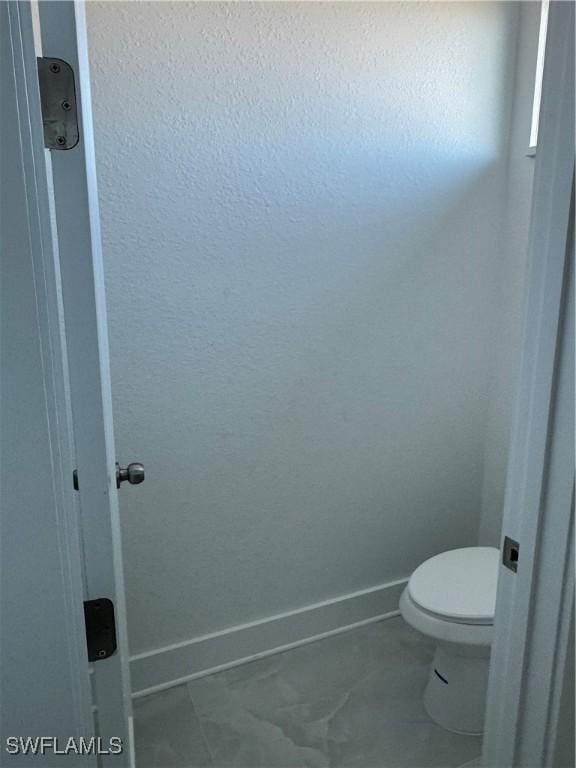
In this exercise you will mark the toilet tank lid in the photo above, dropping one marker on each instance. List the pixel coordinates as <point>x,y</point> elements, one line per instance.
<point>459,584</point>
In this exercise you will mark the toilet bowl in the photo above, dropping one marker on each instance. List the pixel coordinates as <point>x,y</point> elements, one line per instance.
<point>451,598</point>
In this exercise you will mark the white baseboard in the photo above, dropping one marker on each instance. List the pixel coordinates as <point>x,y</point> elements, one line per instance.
<point>154,670</point>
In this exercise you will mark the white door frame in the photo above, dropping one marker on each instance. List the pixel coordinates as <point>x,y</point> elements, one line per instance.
<point>535,605</point>
<point>42,625</point>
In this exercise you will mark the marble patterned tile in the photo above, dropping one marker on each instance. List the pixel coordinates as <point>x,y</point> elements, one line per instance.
<point>350,700</point>
<point>167,733</point>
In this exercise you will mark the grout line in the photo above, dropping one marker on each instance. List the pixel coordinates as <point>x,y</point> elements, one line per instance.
<point>201,728</point>
<point>474,763</point>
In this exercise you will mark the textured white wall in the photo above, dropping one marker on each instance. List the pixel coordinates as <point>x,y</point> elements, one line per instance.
<point>302,208</point>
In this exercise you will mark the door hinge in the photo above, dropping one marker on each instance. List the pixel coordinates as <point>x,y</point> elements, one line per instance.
<point>510,554</point>
<point>58,99</point>
<point>100,628</point>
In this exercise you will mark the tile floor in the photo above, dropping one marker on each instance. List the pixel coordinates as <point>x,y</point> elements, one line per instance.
<point>353,700</point>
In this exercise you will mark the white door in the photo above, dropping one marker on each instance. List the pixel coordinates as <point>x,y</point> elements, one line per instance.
<point>532,651</point>
<point>60,547</point>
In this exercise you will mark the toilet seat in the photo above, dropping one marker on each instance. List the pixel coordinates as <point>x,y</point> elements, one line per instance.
<point>442,629</point>
<point>458,586</point>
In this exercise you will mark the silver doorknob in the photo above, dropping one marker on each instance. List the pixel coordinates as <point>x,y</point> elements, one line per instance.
<point>134,473</point>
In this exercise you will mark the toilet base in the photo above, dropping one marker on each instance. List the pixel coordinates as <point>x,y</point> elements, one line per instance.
<point>455,696</point>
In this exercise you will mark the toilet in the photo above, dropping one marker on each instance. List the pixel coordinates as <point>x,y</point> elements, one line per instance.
<point>451,598</point>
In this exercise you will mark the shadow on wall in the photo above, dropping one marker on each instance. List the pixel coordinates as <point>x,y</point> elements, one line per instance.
<point>313,231</point>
